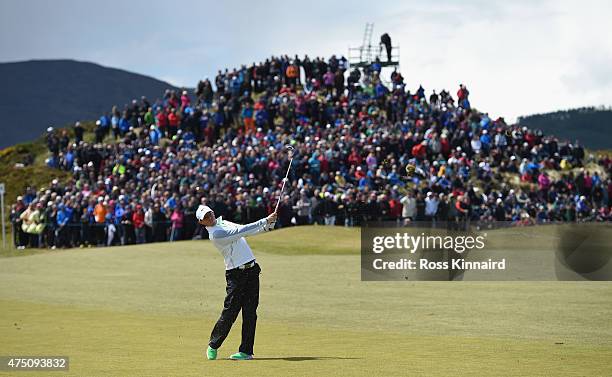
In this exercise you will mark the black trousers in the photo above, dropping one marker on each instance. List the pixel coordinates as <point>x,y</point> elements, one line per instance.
<point>242,294</point>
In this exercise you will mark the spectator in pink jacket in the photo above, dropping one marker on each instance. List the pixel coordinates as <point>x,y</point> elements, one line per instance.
<point>185,101</point>
<point>177,223</point>
<point>543,181</point>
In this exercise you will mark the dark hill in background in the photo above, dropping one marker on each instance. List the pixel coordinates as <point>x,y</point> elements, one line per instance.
<point>592,127</point>
<point>38,93</point>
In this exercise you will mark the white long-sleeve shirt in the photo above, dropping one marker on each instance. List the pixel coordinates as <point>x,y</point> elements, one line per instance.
<point>409,206</point>
<point>431,206</point>
<point>228,238</point>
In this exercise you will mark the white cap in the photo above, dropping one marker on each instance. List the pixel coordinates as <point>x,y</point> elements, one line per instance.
<point>202,211</point>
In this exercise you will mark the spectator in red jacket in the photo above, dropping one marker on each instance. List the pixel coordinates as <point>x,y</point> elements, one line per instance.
<point>162,122</point>
<point>359,173</point>
<point>354,158</point>
<point>462,93</point>
<point>419,151</point>
<point>445,145</point>
<point>173,123</point>
<point>139,224</point>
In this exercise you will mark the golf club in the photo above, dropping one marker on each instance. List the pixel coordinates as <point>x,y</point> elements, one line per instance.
<point>290,150</point>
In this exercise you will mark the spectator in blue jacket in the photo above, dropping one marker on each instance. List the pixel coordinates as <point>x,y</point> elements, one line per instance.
<point>63,217</point>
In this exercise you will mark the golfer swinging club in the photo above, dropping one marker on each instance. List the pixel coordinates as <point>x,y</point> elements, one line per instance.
<point>242,276</point>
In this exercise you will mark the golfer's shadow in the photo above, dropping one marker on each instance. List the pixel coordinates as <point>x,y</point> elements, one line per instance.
<point>306,358</point>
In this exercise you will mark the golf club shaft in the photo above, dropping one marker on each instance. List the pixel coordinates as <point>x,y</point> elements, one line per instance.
<point>283,186</point>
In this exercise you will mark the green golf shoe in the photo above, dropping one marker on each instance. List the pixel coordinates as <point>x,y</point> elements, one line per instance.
<point>211,353</point>
<point>241,356</point>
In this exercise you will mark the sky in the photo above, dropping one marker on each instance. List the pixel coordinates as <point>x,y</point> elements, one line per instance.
<point>516,57</point>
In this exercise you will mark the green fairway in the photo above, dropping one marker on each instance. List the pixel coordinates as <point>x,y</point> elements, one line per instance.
<point>148,311</point>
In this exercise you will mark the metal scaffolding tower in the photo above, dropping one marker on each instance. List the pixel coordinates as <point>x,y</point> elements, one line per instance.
<point>366,54</point>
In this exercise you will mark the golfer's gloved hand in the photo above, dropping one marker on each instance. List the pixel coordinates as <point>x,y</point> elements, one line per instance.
<point>271,220</point>
<point>272,217</point>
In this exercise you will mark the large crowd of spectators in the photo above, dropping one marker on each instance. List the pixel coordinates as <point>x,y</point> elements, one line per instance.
<point>151,164</point>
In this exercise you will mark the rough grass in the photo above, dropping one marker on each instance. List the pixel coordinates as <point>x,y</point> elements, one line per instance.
<point>148,310</point>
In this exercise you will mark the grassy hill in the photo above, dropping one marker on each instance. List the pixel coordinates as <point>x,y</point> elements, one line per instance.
<point>23,165</point>
<point>589,125</point>
<point>39,93</point>
<point>148,310</point>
